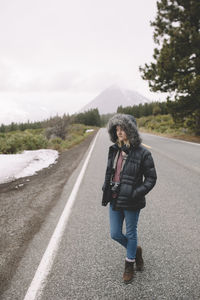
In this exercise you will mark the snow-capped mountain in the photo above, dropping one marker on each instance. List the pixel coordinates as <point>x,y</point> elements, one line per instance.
<point>112,97</point>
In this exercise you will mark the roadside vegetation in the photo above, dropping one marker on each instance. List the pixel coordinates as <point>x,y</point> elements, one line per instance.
<point>61,133</point>
<point>155,117</point>
<point>76,134</point>
<point>33,139</point>
<point>165,126</point>
<point>58,133</point>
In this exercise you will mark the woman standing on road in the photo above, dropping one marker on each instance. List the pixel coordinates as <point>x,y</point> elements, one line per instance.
<point>124,187</point>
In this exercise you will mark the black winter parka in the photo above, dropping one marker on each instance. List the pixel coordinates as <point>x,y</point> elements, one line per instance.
<point>137,178</point>
<point>138,175</point>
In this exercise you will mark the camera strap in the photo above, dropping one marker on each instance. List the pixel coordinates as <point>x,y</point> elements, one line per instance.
<point>116,159</point>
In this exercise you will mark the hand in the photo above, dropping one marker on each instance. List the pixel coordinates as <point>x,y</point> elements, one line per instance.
<point>103,187</point>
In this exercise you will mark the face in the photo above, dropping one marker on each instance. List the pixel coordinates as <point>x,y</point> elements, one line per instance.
<point>121,134</point>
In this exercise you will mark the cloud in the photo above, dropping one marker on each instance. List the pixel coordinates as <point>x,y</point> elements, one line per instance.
<point>98,81</point>
<point>7,77</point>
<point>58,82</point>
<point>21,80</point>
<point>14,79</point>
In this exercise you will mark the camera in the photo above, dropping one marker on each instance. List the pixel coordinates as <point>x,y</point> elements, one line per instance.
<point>115,186</point>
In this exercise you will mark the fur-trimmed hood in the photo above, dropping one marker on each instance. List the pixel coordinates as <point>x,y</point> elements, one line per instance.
<point>128,124</point>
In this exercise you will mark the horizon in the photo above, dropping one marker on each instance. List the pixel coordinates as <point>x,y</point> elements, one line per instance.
<point>80,110</point>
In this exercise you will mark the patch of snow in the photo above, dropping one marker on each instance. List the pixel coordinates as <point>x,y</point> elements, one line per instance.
<point>27,163</point>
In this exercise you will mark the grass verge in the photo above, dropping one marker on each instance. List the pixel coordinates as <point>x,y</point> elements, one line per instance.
<point>163,125</point>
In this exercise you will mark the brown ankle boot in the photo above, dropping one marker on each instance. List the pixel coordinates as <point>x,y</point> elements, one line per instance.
<point>139,260</point>
<point>128,272</point>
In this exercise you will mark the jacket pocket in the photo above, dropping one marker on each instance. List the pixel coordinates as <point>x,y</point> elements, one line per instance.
<point>126,190</point>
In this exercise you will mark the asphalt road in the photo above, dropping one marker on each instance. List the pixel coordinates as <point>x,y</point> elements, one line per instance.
<point>89,265</point>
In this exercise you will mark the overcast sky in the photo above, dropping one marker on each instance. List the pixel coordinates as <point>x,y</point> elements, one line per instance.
<point>57,55</point>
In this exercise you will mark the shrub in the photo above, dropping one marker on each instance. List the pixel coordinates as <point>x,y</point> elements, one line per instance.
<point>19,141</point>
<point>156,110</point>
<point>33,139</point>
<point>56,140</point>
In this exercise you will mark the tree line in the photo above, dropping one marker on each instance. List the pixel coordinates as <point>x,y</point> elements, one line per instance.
<point>58,124</point>
<point>145,109</point>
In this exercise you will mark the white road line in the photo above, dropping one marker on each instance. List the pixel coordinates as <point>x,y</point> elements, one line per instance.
<point>38,282</point>
<point>146,146</point>
<point>176,140</point>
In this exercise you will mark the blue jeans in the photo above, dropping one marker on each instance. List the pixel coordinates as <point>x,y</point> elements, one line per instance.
<point>129,241</point>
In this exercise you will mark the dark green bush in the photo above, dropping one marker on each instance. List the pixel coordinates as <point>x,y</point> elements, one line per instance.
<point>19,141</point>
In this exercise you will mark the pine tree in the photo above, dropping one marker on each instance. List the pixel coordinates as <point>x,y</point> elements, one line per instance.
<point>176,68</point>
